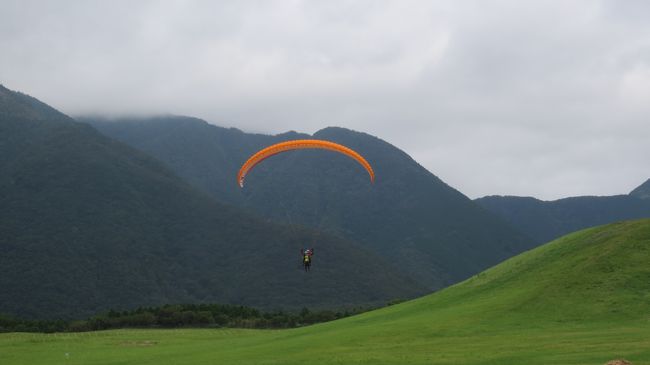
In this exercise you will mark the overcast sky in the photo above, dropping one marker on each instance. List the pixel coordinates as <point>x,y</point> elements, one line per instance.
<point>538,98</point>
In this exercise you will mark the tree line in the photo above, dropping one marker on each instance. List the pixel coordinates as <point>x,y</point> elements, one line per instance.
<point>180,315</point>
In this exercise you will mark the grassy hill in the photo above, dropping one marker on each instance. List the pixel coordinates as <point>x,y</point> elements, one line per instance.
<point>582,299</point>
<point>409,216</point>
<point>89,224</point>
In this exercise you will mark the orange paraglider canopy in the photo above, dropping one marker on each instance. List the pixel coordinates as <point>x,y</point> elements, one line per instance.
<point>297,145</point>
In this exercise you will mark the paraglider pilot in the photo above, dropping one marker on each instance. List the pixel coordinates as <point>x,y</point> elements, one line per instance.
<point>306,257</point>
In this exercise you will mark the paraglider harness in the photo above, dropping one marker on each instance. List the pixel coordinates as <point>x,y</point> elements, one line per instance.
<point>306,258</point>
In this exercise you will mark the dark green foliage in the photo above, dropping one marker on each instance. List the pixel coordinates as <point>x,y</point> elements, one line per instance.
<point>88,223</point>
<point>409,216</point>
<point>547,220</point>
<point>181,315</point>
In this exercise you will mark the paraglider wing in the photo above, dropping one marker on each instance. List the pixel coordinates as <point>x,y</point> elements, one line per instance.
<point>296,145</point>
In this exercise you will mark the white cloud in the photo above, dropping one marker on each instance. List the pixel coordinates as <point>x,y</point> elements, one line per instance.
<point>542,98</point>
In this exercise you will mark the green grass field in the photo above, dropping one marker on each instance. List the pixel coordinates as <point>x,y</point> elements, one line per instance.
<point>582,299</point>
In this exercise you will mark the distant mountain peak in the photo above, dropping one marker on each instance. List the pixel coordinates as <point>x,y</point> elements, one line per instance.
<point>643,191</point>
<point>335,129</point>
<point>293,135</point>
<point>512,197</point>
<point>15,104</point>
<point>340,131</point>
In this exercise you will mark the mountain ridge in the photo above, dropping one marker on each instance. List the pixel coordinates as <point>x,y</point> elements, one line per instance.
<point>642,191</point>
<point>89,223</point>
<point>547,220</point>
<point>409,216</point>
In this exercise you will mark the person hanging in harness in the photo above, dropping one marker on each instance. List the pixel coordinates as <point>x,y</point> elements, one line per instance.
<point>306,257</point>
